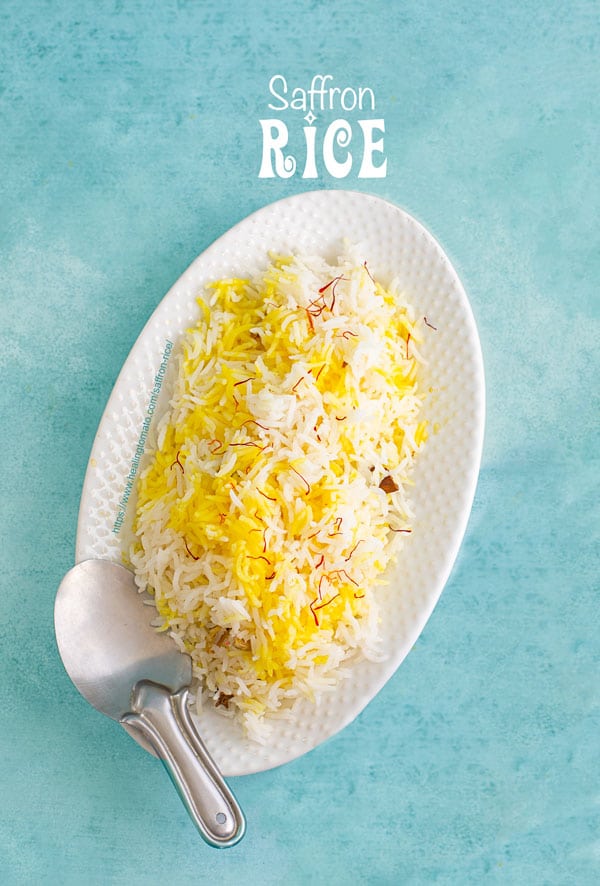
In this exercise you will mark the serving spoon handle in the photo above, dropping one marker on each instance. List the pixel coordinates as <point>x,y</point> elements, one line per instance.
<point>164,720</point>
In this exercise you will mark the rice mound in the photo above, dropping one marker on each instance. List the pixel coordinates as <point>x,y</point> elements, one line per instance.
<point>276,495</point>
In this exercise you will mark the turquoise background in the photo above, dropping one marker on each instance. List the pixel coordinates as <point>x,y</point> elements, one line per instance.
<point>129,141</point>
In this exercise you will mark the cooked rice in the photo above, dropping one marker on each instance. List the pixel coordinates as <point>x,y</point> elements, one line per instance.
<point>263,522</point>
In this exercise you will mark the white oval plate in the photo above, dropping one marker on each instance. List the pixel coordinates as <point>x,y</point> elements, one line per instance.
<point>395,245</point>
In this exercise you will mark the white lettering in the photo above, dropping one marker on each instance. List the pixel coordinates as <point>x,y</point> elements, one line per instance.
<point>343,99</point>
<point>310,167</point>
<point>284,102</point>
<point>340,133</point>
<point>298,102</point>
<point>275,138</point>
<point>313,92</point>
<point>362,91</point>
<point>367,167</point>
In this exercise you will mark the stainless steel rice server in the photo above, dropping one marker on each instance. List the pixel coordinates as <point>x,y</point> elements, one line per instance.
<point>137,676</point>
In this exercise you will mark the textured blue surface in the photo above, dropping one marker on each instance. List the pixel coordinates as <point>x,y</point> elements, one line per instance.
<point>129,141</point>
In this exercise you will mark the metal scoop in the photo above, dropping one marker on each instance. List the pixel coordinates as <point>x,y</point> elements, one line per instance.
<point>129,672</point>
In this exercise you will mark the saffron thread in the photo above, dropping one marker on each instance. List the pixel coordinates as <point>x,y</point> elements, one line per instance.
<point>250,443</point>
<point>343,572</point>
<point>254,422</point>
<point>304,480</point>
<point>177,462</point>
<point>314,608</point>
<point>188,550</point>
<point>353,549</point>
